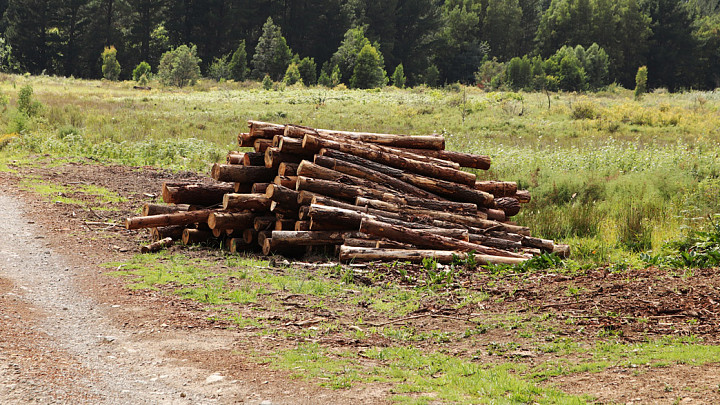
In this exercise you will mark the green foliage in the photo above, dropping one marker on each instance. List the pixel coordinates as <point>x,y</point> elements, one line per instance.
<point>431,77</point>
<point>308,71</point>
<point>26,103</point>
<point>347,53</point>
<point>584,110</point>
<point>324,79</point>
<point>143,80</point>
<point>272,53</point>
<point>518,73</point>
<point>567,68</point>
<point>398,77</point>
<point>490,72</point>
<point>699,249</point>
<point>110,64</point>
<point>220,69</point>
<point>142,69</point>
<point>335,78</point>
<point>7,61</point>
<point>641,79</point>
<point>502,27</point>
<point>267,82</point>
<point>180,67</point>
<point>368,72</point>
<point>596,63</point>
<point>292,75</point>
<point>238,63</point>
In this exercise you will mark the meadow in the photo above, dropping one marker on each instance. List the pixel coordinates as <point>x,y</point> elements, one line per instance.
<point>610,175</point>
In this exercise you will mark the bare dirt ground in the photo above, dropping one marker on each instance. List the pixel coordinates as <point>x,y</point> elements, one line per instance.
<point>71,334</point>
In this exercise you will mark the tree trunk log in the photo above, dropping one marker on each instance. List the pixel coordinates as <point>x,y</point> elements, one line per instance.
<point>242,174</point>
<point>157,245</point>
<point>302,226</point>
<point>497,188</point>
<point>250,236</point>
<point>259,188</point>
<point>397,141</point>
<point>196,194</point>
<point>409,210</point>
<point>291,145</point>
<point>523,196</point>
<point>495,242</point>
<point>261,236</point>
<point>252,202</point>
<point>426,239</point>
<point>287,169</point>
<point>235,158</point>
<point>312,238</point>
<point>193,236</point>
<point>241,188</point>
<point>273,157</point>
<point>463,159</point>
<point>362,254</point>
<point>509,205</point>
<point>285,197</point>
<point>264,223</point>
<point>286,181</point>
<point>230,220</point>
<point>309,169</point>
<point>261,145</point>
<point>173,231</point>
<point>335,189</point>
<point>238,245</point>
<point>177,218</point>
<point>267,130</point>
<point>284,225</point>
<point>254,159</point>
<point>157,209</point>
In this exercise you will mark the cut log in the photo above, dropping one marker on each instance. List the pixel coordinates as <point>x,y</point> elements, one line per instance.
<point>243,188</point>
<point>287,169</point>
<point>264,223</point>
<point>397,141</point>
<point>426,239</point>
<point>309,169</point>
<point>269,248</point>
<point>302,226</point>
<point>303,212</point>
<point>497,188</point>
<point>252,202</point>
<point>337,190</point>
<point>230,220</point>
<point>503,244</point>
<point>259,188</point>
<point>284,225</point>
<point>357,242</point>
<point>305,197</point>
<point>286,181</point>
<point>235,158</point>
<point>254,159</point>
<point>261,236</point>
<point>362,254</point>
<point>291,145</point>
<point>156,209</point>
<point>273,158</point>
<point>174,232</point>
<point>523,196</point>
<point>238,245</point>
<point>285,197</point>
<point>562,250</point>
<point>509,205</point>
<point>245,140</point>
<point>492,214</point>
<point>261,146</point>
<point>242,174</point>
<point>463,159</point>
<point>365,172</point>
<point>250,236</point>
<point>193,236</point>
<point>392,158</point>
<point>409,210</point>
<point>157,245</point>
<point>196,194</point>
<point>545,245</point>
<point>177,218</point>
<point>267,130</point>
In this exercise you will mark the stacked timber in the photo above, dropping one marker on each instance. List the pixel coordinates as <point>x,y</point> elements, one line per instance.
<point>363,196</point>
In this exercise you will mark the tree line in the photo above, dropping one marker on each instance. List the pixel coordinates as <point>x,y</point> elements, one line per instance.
<point>531,44</point>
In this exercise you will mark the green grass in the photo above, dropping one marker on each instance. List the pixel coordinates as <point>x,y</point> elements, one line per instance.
<point>69,194</point>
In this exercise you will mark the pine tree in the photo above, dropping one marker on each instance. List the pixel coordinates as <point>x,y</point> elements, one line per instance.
<point>398,77</point>
<point>272,54</point>
<point>110,65</point>
<point>238,63</point>
<point>368,72</point>
<point>308,71</point>
<point>180,66</point>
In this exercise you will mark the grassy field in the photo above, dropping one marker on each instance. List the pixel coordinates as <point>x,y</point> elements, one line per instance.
<point>610,175</point>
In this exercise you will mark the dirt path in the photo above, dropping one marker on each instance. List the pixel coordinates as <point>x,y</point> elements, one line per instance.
<point>58,344</point>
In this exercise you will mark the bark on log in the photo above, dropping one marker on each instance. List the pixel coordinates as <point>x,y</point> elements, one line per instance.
<point>303,213</point>
<point>305,197</point>
<point>394,159</point>
<point>242,174</point>
<point>269,248</point>
<point>497,188</point>
<point>397,141</point>
<point>259,188</point>
<point>284,225</point>
<point>264,223</point>
<point>509,205</point>
<point>286,181</point>
<point>286,197</point>
<point>463,159</point>
<point>261,236</point>
<point>523,196</point>
<point>174,232</point>
<point>273,158</point>
<point>238,245</point>
<point>196,194</point>
<point>252,202</point>
<point>312,238</point>
<point>177,218</point>
<point>425,239</point>
<point>302,226</point>
<point>254,159</point>
<point>242,188</point>
<point>157,245</point>
<point>562,250</point>
<point>261,145</point>
<point>361,254</point>
<point>492,214</point>
<point>245,140</point>
<point>357,242</point>
<point>503,244</point>
<point>287,169</point>
<point>291,145</point>
<point>230,220</point>
<point>409,210</point>
<point>156,209</point>
<point>309,169</point>
<point>193,236</point>
<point>250,236</point>
<point>267,130</point>
<point>337,190</point>
<point>235,158</point>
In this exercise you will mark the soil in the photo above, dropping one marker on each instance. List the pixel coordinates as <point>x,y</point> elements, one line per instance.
<point>69,333</point>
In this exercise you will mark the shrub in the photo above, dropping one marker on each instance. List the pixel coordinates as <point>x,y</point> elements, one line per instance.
<point>180,66</point>
<point>335,76</point>
<point>641,79</point>
<point>431,77</point>
<point>490,73</point>
<point>219,69</point>
<point>324,79</point>
<point>518,73</point>
<point>308,71</point>
<point>238,63</point>
<point>142,69</point>
<point>368,72</point>
<point>398,77</point>
<point>26,103</point>
<point>292,75</point>
<point>267,82</point>
<point>143,80</point>
<point>584,110</point>
<point>110,65</point>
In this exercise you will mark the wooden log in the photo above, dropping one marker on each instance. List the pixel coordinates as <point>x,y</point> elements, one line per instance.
<point>267,130</point>
<point>509,205</point>
<point>363,254</point>
<point>302,226</point>
<point>409,210</point>
<point>177,218</point>
<point>463,159</point>
<point>322,200</point>
<point>285,197</point>
<point>492,214</point>
<point>261,236</point>
<point>399,141</point>
<point>174,232</point>
<point>261,145</point>
<point>303,212</point>
<point>157,245</point>
<point>503,244</point>
<point>391,157</point>
<point>250,236</point>
<point>269,248</point>
<point>273,157</point>
<point>309,169</point>
<point>196,194</point>
<point>523,196</point>
<point>311,238</point>
<point>562,250</point>
<point>242,188</point>
<point>358,242</point>
<point>230,220</point>
<point>365,172</point>
<point>286,181</point>
<point>497,188</point>
<point>233,233</point>
<point>235,158</point>
<point>284,225</point>
<point>156,209</point>
<point>254,159</point>
<point>259,188</point>
<point>218,233</point>
<point>287,169</point>
<point>193,236</point>
<point>426,239</point>
<point>264,223</point>
<point>242,174</point>
<point>545,245</point>
<point>305,197</point>
<point>238,245</point>
<point>337,190</point>
<point>245,140</point>
<point>290,145</point>
<point>252,202</point>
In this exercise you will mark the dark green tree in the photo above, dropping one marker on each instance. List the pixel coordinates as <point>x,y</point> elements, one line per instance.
<point>180,66</point>
<point>28,31</point>
<point>368,72</point>
<point>308,71</point>
<point>501,28</point>
<point>272,54</point>
<point>238,63</point>
<point>346,54</point>
<point>672,45</point>
<point>398,76</point>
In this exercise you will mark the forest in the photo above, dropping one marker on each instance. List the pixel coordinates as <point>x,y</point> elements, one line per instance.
<point>531,44</point>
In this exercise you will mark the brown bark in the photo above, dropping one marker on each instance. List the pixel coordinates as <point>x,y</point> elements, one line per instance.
<point>242,188</point>
<point>286,181</point>
<point>509,205</point>
<point>391,157</point>
<point>235,158</point>
<point>497,188</point>
<point>523,196</point>
<point>414,211</point>
<point>562,250</point>
<point>261,145</point>
<point>291,145</point>
<point>335,189</point>
<point>302,226</point>
<point>397,141</point>
<point>357,242</point>
<point>252,202</point>
<point>305,197</point>
<point>157,245</point>
<point>259,188</point>
<point>503,244</point>
<point>267,130</point>
<point>492,214</point>
<point>192,236</point>
<point>196,194</point>
<point>285,197</point>
<point>287,169</point>
<point>242,174</point>
<point>309,169</point>
<point>156,209</point>
<point>463,159</point>
<point>261,236</point>
<point>264,223</point>
<point>273,157</point>
<point>362,254</point>
<point>177,218</point>
<point>238,245</point>
<point>250,236</point>
<point>426,239</point>
<point>173,231</point>
<point>284,225</point>
<point>230,220</point>
<point>254,159</point>
<point>245,140</point>
<point>311,238</point>
<point>303,212</point>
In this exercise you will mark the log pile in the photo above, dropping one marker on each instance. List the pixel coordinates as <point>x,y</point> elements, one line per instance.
<point>362,196</point>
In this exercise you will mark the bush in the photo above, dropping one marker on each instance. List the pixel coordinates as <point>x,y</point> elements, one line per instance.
<point>368,72</point>
<point>26,103</point>
<point>142,69</point>
<point>641,79</point>
<point>308,71</point>
<point>219,69</point>
<point>180,66</point>
<point>292,75</point>
<point>238,63</point>
<point>267,82</point>
<point>518,73</point>
<point>490,73</point>
<point>110,65</point>
<point>324,79</point>
<point>398,77</point>
<point>584,110</point>
<point>431,77</point>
